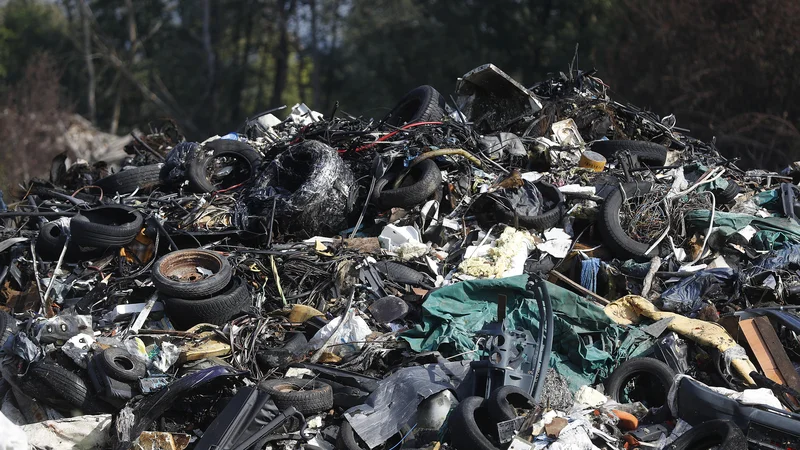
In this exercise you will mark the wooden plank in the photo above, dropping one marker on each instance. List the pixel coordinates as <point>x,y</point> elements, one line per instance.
<point>778,353</point>
<point>760,350</point>
<point>577,287</point>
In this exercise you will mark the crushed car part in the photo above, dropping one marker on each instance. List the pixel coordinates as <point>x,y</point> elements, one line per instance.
<point>191,273</point>
<point>402,274</point>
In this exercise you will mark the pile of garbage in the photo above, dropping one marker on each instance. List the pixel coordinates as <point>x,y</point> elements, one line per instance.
<point>512,267</point>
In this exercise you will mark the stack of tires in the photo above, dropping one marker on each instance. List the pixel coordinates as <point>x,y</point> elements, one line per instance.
<point>198,286</point>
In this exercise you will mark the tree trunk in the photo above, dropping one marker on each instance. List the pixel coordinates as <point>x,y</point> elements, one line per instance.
<point>87,56</point>
<point>282,52</point>
<point>240,82</point>
<point>316,89</point>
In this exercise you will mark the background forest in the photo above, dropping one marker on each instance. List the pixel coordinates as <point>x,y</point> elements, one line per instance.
<point>728,69</point>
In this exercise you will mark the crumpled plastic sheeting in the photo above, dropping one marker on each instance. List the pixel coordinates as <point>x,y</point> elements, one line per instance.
<point>629,309</point>
<point>779,259</point>
<point>311,187</point>
<point>348,339</point>
<point>577,435</point>
<point>394,403</point>
<point>451,315</point>
<point>175,162</point>
<point>686,297</point>
<point>760,396</point>
<point>76,433</point>
<point>526,200</point>
<point>13,437</point>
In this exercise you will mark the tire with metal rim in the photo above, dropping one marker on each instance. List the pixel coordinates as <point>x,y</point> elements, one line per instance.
<point>191,273</point>
<point>307,396</point>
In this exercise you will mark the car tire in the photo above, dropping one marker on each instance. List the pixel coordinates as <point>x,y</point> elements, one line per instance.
<point>717,434</point>
<point>307,396</point>
<point>661,376</point>
<point>727,195</point>
<point>543,221</point>
<point>175,274</point>
<point>105,226</point>
<point>469,423</point>
<point>127,181</point>
<point>504,401</point>
<point>120,365</point>
<point>610,227</point>
<point>218,309</point>
<point>196,171</point>
<point>62,383</point>
<point>420,184</point>
<point>422,104</point>
<point>648,153</point>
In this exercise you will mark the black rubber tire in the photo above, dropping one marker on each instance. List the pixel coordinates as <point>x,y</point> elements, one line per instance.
<point>307,396</point>
<point>196,168</point>
<point>544,221</point>
<point>401,274</point>
<point>50,241</point>
<point>127,181</point>
<point>661,373</point>
<point>63,383</point>
<point>610,228</point>
<point>116,359</point>
<point>419,185</point>
<point>422,104</point>
<point>719,434</point>
<point>648,153</point>
<point>202,288</point>
<point>7,327</point>
<point>105,226</point>
<point>467,431</point>
<point>217,310</point>
<point>503,401</point>
<point>728,194</point>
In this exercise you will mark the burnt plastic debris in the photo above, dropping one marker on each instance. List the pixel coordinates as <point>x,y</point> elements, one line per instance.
<point>530,267</point>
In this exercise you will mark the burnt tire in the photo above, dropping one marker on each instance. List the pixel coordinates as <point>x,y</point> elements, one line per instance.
<point>717,434</point>
<point>8,325</point>
<point>401,274</point>
<point>218,309</point>
<point>648,153</point>
<point>175,274</point>
<point>727,195</point>
<point>469,425</point>
<point>120,365</point>
<point>543,221</point>
<point>610,227</point>
<point>422,104</point>
<point>307,396</point>
<point>197,168</point>
<point>504,401</point>
<point>655,386</point>
<point>419,185</point>
<point>127,181</point>
<point>105,226</point>
<point>349,440</point>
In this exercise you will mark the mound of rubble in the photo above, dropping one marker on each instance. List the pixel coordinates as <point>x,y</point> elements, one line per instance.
<point>517,268</point>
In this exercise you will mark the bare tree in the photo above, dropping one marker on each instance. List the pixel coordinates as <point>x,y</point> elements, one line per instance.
<point>85,13</point>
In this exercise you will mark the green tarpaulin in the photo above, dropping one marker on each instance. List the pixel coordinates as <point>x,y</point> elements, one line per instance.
<point>453,314</point>
<point>773,232</point>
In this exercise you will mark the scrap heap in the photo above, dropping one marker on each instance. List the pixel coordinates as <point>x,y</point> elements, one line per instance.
<point>519,268</point>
